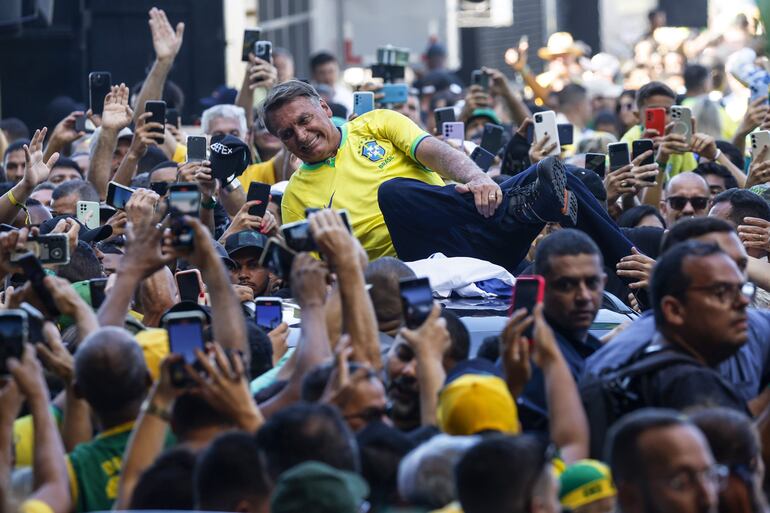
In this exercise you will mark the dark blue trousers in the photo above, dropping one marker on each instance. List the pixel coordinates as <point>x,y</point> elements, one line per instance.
<point>425,219</point>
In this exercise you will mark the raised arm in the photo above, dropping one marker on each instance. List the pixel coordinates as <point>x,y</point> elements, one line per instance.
<point>116,116</point>
<point>259,74</point>
<point>144,137</point>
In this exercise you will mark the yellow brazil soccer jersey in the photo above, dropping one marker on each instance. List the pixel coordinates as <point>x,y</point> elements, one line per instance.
<point>375,147</point>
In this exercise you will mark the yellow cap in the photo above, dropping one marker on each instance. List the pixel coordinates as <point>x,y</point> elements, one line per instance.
<point>474,403</point>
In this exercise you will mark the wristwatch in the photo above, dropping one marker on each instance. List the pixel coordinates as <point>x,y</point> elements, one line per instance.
<point>150,408</point>
<point>210,204</point>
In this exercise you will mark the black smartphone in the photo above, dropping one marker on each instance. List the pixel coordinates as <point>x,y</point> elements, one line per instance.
<point>619,155</point>
<point>184,199</point>
<point>640,146</point>
<point>196,148</point>
<point>173,117</point>
<point>250,36</point>
<point>99,83</point>
<point>35,321</point>
<point>277,258</point>
<point>33,271</point>
<point>189,284</point>
<point>482,158</point>
<point>264,50</point>
<point>161,188</point>
<point>185,335</point>
<point>596,162</point>
<point>528,291</point>
<point>416,300</point>
<point>492,138</point>
<point>444,115</point>
<point>258,192</point>
<point>566,133</point>
<point>530,133</point>
<point>157,108</point>
<point>105,213</point>
<point>480,78</point>
<point>118,195</point>
<point>14,333</point>
<point>83,124</point>
<point>298,237</point>
<point>96,287</point>
<point>342,212</point>
<point>268,312</point>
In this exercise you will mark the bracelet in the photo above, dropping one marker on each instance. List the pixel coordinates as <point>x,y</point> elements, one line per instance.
<point>232,185</point>
<point>717,155</point>
<point>150,408</point>
<point>209,205</point>
<point>16,203</point>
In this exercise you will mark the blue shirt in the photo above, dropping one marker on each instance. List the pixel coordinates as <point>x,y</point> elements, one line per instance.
<point>748,370</point>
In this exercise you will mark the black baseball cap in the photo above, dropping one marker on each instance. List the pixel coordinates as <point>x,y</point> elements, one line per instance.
<point>229,157</point>
<point>245,240</point>
<point>85,234</point>
<point>593,181</point>
<point>222,252</point>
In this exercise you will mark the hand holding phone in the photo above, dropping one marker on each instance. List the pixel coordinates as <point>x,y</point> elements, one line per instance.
<point>416,300</point>
<point>185,336</point>
<point>655,119</point>
<point>258,192</point>
<point>528,291</point>
<point>619,155</point>
<point>545,124</point>
<point>99,83</point>
<point>268,312</point>
<point>157,110</point>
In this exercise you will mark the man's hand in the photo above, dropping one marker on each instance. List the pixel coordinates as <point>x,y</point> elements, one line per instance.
<point>755,233</point>
<point>10,401</point>
<point>36,170</point>
<point>333,238</point>
<point>545,350</point>
<point>636,266</point>
<point>486,193</point>
<point>754,116</point>
<point>279,339</point>
<point>10,243</point>
<point>64,296</point>
<point>71,228</point>
<point>165,40</point>
<point>117,114</point>
<point>202,253</point>
<point>514,351</point>
<point>475,98</point>
<point>671,144</point>
<point>64,132</point>
<point>144,136</point>
<point>142,206</point>
<point>118,224</point>
<point>704,145</point>
<point>28,375</point>
<point>541,149</point>
<point>309,278</point>
<point>619,183</point>
<point>144,254</point>
<point>261,73</point>
<point>430,340</point>
<point>164,393</point>
<point>200,173</point>
<point>56,358</point>
<point>243,293</point>
<point>643,173</point>
<point>498,83</point>
<point>759,170</point>
<point>245,221</point>
<point>516,58</point>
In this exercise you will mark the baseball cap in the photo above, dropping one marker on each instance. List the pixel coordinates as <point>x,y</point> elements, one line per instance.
<point>229,157</point>
<point>246,239</point>
<point>593,182</point>
<point>474,403</point>
<point>222,94</point>
<point>222,252</point>
<point>584,482</point>
<point>85,234</point>
<point>484,113</point>
<point>317,487</point>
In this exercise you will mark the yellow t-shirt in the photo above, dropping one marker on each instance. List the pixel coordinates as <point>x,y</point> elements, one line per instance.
<point>375,147</point>
<point>180,154</point>
<point>34,506</point>
<point>260,172</point>
<point>677,163</point>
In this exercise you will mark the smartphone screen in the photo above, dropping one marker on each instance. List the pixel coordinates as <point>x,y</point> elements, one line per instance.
<point>619,156</point>
<point>196,148</point>
<point>185,335</point>
<point>258,192</point>
<point>596,162</point>
<point>527,292</point>
<point>298,236</point>
<point>96,287</point>
<point>417,300</point>
<point>118,195</point>
<point>12,338</point>
<point>250,36</point>
<point>189,286</point>
<point>268,314</point>
<point>184,200</point>
<point>492,138</point>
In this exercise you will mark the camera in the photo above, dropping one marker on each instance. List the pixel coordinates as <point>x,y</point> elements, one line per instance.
<point>391,62</point>
<point>49,249</point>
<point>538,118</point>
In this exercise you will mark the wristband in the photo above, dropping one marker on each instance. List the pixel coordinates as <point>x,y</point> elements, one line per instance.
<point>16,203</point>
<point>209,205</point>
<point>717,155</point>
<point>150,408</point>
<point>232,185</point>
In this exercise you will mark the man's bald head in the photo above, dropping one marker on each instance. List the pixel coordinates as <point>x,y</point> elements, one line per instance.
<point>687,195</point>
<point>110,371</point>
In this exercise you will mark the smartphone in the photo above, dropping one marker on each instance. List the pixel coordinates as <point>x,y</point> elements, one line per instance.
<point>545,124</point>
<point>641,146</point>
<point>184,199</point>
<point>264,50</point>
<point>185,335</point>
<point>277,258</point>
<point>297,236</point>
<point>269,313</point>
<point>566,133</point>
<point>596,162</point>
<point>88,213</point>
<point>157,108</point>
<point>619,155</point>
<point>83,124</point>
<point>482,158</point>
<point>99,83</point>
<point>758,89</point>
<point>760,139</point>
<point>33,271</point>
<point>35,321</point>
<point>342,212</point>
<point>173,118</point>
<point>190,285</point>
<point>531,133</point>
<point>196,148</point>
<point>453,130</point>
<point>105,213</point>
<point>492,138</point>
<point>258,192</point>
<point>96,287</point>
<point>51,248</point>
<point>444,115</point>
<point>480,78</point>
<point>394,93</point>
<point>416,300</point>
<point>161,188</point>
<point>250,36</point>
<point>682,119</point>
<point>655,119</point>
<point>363,102</point>
<point>14,333</point>
<point>528,291</point>
<point>118,195</point>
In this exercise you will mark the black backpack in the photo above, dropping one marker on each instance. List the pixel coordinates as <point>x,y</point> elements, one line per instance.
<point>619,390</point>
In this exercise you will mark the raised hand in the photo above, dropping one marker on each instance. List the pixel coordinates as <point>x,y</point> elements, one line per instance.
<point>144,135</point>
<point>199,172</point>
<point>37,170</point>
<point>165,40</point>
<point>261,73</point>
<point>64,132</point>
<point>541,149</point>
<point>514,351</point>
<point>755,233</point>
<point>309,278</point>
<point>117,114</point>
<point>431,339</point>
<point>332,237</point>
<point>759,170</point>
<point>704,145</point>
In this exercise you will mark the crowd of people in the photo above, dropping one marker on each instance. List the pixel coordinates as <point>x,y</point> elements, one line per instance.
<point>122,391</point>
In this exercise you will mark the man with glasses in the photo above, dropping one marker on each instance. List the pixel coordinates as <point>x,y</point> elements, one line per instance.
<point>661,463</point>
<point>686,195</point>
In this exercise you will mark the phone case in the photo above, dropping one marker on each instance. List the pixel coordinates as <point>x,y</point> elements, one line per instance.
<point>656,120</point>
<point>88,213</point>
<point>394,93</point>
<point>363,102</point>
<point>482,158</point>
<point>250,36</point>
<point>545,124</point>
<point>99,83</point>
<point>196,148</point>
<point>682,119</point>
<point>616,149</point>
<point>640,146</point>
<point>454,130</point>
<point>258,191</point>
<point>759,140</point>
<point>540,289</point>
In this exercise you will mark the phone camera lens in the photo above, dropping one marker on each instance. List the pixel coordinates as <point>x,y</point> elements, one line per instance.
<point>56,253</point>
<point>538,118</point>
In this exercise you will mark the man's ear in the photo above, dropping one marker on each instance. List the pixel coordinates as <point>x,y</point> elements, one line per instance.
<point>673,310</point>
<point>325,106</point>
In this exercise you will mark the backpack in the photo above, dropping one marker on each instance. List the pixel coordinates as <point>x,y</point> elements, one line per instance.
<point>622,389</point>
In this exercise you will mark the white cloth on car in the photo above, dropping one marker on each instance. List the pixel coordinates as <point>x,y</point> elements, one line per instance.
<point>459,274</point>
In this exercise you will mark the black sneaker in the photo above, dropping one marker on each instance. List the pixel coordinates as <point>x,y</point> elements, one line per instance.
<point>547,199</point>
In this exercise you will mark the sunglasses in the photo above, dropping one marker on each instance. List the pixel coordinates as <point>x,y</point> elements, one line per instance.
<point>679,202</point>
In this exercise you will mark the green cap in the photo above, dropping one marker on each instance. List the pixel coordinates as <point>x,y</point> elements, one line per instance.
<point>484,113</point>
<point>584,482</point>
<point>317,487</point>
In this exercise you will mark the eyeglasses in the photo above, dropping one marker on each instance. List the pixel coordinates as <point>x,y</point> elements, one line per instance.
<point>728,293</point>
<point>685,480</point>
<point>679,202</point>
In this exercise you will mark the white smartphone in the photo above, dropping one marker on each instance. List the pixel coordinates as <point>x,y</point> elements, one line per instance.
<point>545,124</point>
<point>760,139</point>
<point>453,130</point>
<point>88,213</point>
<point>363,102</point>
<point>682,119</point>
